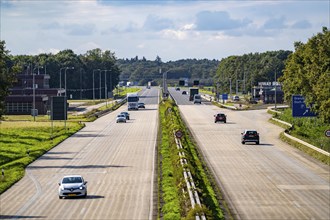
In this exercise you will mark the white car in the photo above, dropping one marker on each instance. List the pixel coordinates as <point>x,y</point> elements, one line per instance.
<point>72,186</point>
<point>121,118</point>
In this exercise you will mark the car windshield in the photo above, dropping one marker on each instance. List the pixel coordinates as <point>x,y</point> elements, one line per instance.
<point>72,180</point>
<point>121,116</point>
<point>251,132</point>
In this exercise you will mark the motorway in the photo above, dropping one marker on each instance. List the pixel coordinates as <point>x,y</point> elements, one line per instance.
<point>117,160</point>
<point>268,181</point>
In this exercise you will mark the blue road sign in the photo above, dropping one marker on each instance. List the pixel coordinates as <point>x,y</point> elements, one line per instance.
<point>224,96</point>
<point>299,108</point>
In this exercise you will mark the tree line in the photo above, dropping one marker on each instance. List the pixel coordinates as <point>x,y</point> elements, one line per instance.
<point>304,71</point>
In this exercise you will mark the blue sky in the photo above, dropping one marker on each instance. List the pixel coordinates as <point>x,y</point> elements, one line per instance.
<point>172,30</point>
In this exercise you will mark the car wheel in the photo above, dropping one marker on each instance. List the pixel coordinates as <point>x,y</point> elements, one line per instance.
<point>60,197</point>
<point>243,142</point>
<point>225,121</point>
<point>257,142</point>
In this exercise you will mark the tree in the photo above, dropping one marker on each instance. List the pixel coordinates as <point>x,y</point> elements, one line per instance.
<point>307,73</point>
<point>6,76</point>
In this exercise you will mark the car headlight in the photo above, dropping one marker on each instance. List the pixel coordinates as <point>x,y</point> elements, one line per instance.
<point>82,187</point>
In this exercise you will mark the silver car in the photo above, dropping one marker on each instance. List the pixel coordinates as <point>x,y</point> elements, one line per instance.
<point>126,114</point>
<point>72,186</point>
<point>121,118</point>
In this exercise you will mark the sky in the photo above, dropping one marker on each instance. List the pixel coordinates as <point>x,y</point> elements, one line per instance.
<point>170,29</point>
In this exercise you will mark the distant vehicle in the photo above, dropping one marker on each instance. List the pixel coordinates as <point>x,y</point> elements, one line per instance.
<point>149,85</point>
<point>220,117</point>
<point>192,92</point>
<point>184,92</point>
<point>121,118</point>
<point>197,98</point>
<point>132,101</point>
<point>177,88</point>
<point>72,186</point>
<point>126,115</point>
<point>236,98</point>
<point>253,101</point>
<point>250,136</point>
<point>141,105</point>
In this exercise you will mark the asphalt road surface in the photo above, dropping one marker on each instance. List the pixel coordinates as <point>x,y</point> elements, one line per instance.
<point>117,160</point>
<point>268,181</point>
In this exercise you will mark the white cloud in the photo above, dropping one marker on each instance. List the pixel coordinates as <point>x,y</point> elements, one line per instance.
<point>171,29</point>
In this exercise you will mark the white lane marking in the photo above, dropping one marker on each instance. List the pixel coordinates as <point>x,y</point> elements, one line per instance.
<point>34,197</point>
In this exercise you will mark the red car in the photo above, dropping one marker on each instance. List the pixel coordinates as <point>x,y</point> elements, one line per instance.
<point>220,117</point>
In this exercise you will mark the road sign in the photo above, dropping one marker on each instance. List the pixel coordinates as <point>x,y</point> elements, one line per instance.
<point>178,134</point>
<point>58,108</point>
<point>299,108</point>
<point>224,96</point>
<point>327,133</point>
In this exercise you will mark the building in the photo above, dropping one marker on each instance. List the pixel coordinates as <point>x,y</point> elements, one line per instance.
<point>23,97</point>
<point>265,91</point>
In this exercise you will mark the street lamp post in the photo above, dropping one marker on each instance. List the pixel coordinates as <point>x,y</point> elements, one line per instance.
<point>70,68</point>
<point>275,89</point>
<point>34,92</point>
<point>93,84</point>
<point>61,80</point>
<point>65,99</point>
<point>100,76</point>
<point>81,83</point>
<point>34,96</point>
<point>230,87</point>
<point>105,85</point>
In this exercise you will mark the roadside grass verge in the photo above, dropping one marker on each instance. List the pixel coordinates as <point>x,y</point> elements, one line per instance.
<point>23,142</point>
<point>174,199</point>
<point>310,130</point>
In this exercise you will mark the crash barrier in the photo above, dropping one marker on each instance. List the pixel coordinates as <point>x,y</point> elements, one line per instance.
<point>193,195</point>
<point>119,103</point>
<point>300,141</point>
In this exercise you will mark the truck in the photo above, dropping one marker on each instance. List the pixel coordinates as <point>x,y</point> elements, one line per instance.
<point>132,101</point>
<point>192,92</point>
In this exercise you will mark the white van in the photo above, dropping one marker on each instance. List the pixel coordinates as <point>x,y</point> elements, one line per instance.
<point>197,98</point>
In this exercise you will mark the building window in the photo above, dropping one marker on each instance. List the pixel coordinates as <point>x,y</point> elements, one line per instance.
<point>16,107</point>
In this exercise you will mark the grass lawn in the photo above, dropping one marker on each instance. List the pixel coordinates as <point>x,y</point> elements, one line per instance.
<point>22,142</point>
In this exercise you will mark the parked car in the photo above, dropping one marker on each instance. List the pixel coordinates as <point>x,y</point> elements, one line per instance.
<point>177,88</point>
<point>184,92</point>
<point>220,117</point>
<point>121,118</point>
<point>250,136</point>
<point>72,186</point>
<point>141,105</point>
<point>126,115</point>
<point>236,98</point>
<point>253,101</point>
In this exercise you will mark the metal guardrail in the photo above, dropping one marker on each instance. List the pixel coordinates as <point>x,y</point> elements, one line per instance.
<point>193,195</point>
<point>101,113</point>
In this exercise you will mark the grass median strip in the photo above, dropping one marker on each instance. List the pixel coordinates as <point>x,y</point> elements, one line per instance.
<point>174,201</point>
<point>22,142</point>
